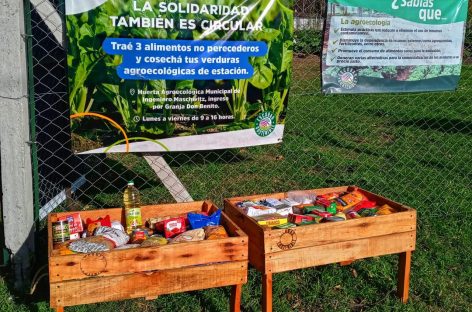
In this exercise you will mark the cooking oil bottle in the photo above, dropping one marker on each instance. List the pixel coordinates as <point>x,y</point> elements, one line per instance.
<point>132,207</point>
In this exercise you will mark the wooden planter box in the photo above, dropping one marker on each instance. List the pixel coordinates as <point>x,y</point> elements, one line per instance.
<point>279,250</point>
<point>151,271</point>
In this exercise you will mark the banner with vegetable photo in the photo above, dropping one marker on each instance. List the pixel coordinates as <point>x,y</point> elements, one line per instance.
<point>152,76</point>
<point>378,46</point>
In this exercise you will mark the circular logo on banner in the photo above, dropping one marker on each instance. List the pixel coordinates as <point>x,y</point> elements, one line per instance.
<point>264,123</point>
<point>347,78</point>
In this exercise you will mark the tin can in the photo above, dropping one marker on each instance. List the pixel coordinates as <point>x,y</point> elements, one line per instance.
<point>60,231</point>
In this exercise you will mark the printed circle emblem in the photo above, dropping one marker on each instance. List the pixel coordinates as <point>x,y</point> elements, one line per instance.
<point>264,123</point>
<point>93,264</point>
<point>347,78</point>
<point>287,239</point>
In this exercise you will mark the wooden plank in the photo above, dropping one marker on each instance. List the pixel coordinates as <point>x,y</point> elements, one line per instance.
<point>147,284</point>
<point>404,265</point>
<point>254,232</point>
<point>337,252</point>
<point>327,233</point>
<point>116,262</point>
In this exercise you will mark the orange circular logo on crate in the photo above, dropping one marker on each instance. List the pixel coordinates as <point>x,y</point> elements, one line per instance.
<point>287,240</point>
<point>93,264</point>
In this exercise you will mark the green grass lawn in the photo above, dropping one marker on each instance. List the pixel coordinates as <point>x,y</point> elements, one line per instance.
<point>413,148</point>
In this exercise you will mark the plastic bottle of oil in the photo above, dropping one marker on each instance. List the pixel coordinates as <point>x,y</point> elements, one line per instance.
<point>132,207</point>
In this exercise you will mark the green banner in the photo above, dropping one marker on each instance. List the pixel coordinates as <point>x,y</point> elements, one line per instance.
<point>150,75</point>
<point>393,46</point>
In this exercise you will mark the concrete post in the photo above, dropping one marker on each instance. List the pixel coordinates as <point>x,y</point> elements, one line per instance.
<point>16,179</point>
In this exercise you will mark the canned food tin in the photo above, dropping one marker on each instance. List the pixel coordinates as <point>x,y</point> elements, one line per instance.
<point>60,231</point>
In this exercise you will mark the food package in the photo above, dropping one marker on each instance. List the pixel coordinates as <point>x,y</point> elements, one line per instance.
<point>93,224</point>
<point>349,200</point>
<point>117,225</point>
<point>91,244</point>
<point>254,211</point>
<point>323,202</point>
<point>271,202</point>
<point>323,214</point>
<point>189,236</point>
<point>198,220</point>
<point>127,246</point>
<point>287,225</point>
<point>215,232</point>
<point>284,209</point>
<point>140,234</point>
<point>385,210</point>
<point>118,237</point>
<point>290,202</point>
<point>245,203</point>
<point>75,225</point>
<point>270,220</point>
<point>154,241</point>
<point>330,196</point>
<point>298,219</point>
<point>173,226</point>
<point>301,197</point>
<point>310,209</point>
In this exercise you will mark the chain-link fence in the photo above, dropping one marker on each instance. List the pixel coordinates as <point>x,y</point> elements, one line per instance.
<point>414,148</point>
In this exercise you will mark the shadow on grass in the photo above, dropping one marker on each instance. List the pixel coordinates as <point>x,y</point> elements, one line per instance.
<point>439,124</point>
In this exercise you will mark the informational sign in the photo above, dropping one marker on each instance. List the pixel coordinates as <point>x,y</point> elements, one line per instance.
<point>393,45</point>
<point>151,75</point>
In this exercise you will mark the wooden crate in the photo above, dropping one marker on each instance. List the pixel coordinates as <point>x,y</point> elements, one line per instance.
<point>152,271</point>
<point>279,250</point>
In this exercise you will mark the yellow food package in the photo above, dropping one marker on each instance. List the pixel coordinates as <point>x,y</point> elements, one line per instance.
<point>385,210</point>
<point>215,232</point>
<point>271,220</point>
<point>350,199</point>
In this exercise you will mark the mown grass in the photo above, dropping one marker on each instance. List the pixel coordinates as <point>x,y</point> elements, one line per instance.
<point>414,148</point>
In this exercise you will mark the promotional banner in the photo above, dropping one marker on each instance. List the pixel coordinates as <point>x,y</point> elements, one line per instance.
<point>150,75</point>
<point>393,45</point>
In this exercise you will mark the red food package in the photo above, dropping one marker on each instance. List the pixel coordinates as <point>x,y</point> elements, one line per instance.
<point>298,219</point>
<point>365,204</point>
<point>323,202</point>
<point>174,226</point>
<point>329,196</point>
<point>93,224</point>
<point>75,225</point>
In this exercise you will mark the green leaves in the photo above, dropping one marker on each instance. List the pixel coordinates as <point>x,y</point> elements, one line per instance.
<point>262,77</point>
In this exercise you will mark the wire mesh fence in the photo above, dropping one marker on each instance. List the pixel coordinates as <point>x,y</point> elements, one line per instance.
<point>414,148</point>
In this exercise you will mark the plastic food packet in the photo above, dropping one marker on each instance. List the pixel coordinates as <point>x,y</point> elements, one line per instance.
<point>353,215</point>
<point>215,232</point>
<point>117,225</point>
<point>254,211</point>
<point>75,225</point>
<point>127,246</point>
<point>118,237</point>
<point>330,196</point>
<point>174,226</point>
<point>301,197</point>
<point>154,241</point>
<point>198,220</point>
<point>385,210</point>
<point>91,244</point>
<point>189,236</point>
<point>350,199</point>
<point>93,224</point>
